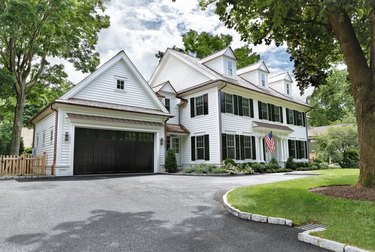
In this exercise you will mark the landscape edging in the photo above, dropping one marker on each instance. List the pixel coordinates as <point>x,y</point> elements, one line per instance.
<point>304,236</point>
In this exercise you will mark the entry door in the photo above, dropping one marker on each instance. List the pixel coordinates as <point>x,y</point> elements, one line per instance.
<point>175,145</point>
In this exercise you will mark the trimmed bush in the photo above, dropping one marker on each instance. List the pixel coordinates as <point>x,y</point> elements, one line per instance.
<point>259,167</point>
<point>229,161</point>
<point>290,164</point>
<point>350,159</point>
<point>218,170</point>
<point>171,162</point>
<point>188,170</point>
<point>273,164</point>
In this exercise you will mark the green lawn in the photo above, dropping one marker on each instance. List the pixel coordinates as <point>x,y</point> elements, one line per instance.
<point>349,221</point>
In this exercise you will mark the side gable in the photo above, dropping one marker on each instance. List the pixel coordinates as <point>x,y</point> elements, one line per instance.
<point>101,86</point>
<point>263,67</point>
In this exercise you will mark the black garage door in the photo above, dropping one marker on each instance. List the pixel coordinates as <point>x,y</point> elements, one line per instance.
<point>107,151</point>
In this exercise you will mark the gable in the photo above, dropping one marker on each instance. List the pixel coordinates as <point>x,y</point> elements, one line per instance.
<point>229,53</point>
<point>263,67</point>
<point>168,88</point>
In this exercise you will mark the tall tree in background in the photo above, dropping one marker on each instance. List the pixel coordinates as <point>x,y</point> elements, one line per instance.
<point>317,33</point>
<point>328,108</point>
<point>204,44</point>
<point>31,31</point>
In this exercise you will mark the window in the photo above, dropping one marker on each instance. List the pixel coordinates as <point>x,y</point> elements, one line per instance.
<point>245,107</point>
<point>297,149</point>
<point>292,148</point>
<point>175,144</point>
<point>120,84</point>
<point>37,139</point>
<point>263,111</point>
<point>230,67</point>
<point>295,117</point>
<point>51,136</point>
<point>290,116</point>
<point>200,147</point>
<point>287,89</point>
<point>168,104</point>
<point>229,103</point>
<point>276,114</point>
<point>263,80</point>
<point>231,147</point>
<point>299,118</point>
<point>247,147</point>
<point>199,105</point>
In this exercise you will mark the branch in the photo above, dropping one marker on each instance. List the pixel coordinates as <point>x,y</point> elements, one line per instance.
<point>30,84</point>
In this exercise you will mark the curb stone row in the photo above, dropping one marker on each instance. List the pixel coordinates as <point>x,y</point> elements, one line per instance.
<point>304,236</point>
<point>26,177</point>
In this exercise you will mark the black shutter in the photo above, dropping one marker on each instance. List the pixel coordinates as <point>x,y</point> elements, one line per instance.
<point>298,147</point>
<point>260,109</point>
<point>304,119</point>
<point>168,142</point>
<point>224,145</point>
<point>295,117</point>
<point>270,112</point>
<point>238,153</point>
<point>235,104</point>
<point>192,107</point>
<point>253,147</point>
<point>281,115</point>
<point>242,140</point>
<point>287,116</point>
<point>205,104</point>
<point>222,101</point>
<point>290,148</point>
<point>251,108</point>
<point>206,147</point>
<point>240,108</point>
<point>192,148</point>
<point>306,152</point>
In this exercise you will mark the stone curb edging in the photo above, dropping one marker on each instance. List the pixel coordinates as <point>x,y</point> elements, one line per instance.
<point>26,177</point>
<point>304,236</point>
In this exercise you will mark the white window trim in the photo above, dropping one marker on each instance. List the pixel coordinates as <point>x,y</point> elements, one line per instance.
<point>234,145</point>
<point>196,148</point>
<point>119,78</point>
<point>196,106</point>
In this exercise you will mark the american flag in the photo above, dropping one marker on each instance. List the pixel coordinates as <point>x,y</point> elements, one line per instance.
<point>270,142</point>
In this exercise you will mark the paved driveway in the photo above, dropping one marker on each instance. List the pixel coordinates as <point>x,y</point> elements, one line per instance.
<point>134,213</point>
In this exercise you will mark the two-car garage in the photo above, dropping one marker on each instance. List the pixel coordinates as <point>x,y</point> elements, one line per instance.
<point>99,151</point>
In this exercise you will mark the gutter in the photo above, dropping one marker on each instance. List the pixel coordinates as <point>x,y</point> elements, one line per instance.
<point>220,124</point>
<point>55,140</point>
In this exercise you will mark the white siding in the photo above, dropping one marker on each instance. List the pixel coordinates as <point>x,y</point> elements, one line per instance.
<point>179,74</point>
<point>216,64</point>
<point>201,125</point>
<point>104,89</point>
<point>251,76</point>
<point>44,127</point>
<point>174,107</point>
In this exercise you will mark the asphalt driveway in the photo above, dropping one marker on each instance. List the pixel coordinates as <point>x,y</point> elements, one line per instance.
<point>134,213</point>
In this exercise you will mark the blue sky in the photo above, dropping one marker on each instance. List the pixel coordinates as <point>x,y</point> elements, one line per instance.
<point>143,27</point>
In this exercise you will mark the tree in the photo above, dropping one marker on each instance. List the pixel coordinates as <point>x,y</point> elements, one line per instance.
<point>204,44</point>
<point>328,108</point>
<point>317,34</point>
<point>33,31</point>
<point>338,141</point>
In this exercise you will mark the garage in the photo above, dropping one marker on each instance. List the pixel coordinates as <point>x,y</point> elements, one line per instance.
<point>106,151</point>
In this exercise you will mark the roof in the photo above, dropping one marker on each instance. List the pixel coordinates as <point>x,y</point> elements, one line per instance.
<point>176,128</point>
<point>111,119</point>
<point>218,54</point>
<point>252,67</point>
<point>159,87</point>
<point>271,126</point>
<point>279,76</point>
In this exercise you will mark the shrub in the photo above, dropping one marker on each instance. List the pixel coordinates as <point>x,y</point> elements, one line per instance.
<point>171,162</point>
<point>350,159</point>
<point>238,169</point>
<point>218,170</point>
<point>188,170</point>
<point>259,167</point>
<point>290,164</point>
<point>229,161</point>
<point>273,164</point>
<point>28,150</point>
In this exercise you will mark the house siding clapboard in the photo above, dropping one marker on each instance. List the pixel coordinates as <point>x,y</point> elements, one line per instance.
<point>44,127</point>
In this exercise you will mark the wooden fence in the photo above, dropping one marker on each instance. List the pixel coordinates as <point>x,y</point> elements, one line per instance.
<point>12,165</point>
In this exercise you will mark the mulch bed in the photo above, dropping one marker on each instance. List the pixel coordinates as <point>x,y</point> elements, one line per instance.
<point>349,192</point>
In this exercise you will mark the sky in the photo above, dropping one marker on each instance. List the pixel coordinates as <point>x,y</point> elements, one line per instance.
<point>143,27</point>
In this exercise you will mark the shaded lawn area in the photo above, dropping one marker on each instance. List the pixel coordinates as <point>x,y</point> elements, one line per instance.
<point>348,221</point>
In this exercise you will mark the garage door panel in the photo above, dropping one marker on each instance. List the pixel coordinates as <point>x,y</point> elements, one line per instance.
<point>105,151</point>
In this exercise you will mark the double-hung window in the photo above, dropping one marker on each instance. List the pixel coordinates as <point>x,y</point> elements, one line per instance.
<point>168,104</point>
<point>263,79</point>
<point>245,107</point>
<point>231,147</point>
<point>247,147</point>
<point>264,110</point>
<point>230,67</point>
<point>229,103</point>
<point>199,105</point>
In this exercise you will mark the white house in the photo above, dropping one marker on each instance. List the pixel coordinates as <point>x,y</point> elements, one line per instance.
<point>206,110</point>
<point>110,122</point>
<point>222,112</point>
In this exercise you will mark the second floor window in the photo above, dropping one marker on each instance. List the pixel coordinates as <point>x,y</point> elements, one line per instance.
<point>229,103</point>
<point>295,117</point>
<point>230,68</point>
<point>168,104</point>
<point>199,105</point>
<point>263,80</point>
<point>236,104</point>
<point>287,89</point>
<point>120,84</point>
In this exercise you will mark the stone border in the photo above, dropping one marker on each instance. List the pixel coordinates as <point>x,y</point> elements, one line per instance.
<point>304,236</point>
<point>26,177</point>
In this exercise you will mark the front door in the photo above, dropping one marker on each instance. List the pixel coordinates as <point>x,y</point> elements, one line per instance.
<point>175,145</point>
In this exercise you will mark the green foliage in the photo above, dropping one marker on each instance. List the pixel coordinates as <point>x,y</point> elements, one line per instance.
<point>328,108</point>
<point>350,159</point>
<point>338,140</point>
<point>245,56</point>
<point>5,138</point>
<point>259,167</point>
<point>229,161</point>
<point>273,164</point>
<point>170,161</point>
<point>28,150</point>
<point>290,164</point>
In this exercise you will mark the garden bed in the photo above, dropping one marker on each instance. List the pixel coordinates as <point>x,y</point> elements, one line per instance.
<point>348,192</point>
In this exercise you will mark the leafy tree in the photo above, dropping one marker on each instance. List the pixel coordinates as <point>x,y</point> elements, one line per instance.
<point>204,44</point>
<point>333,101</point>
<point>317,34</point>
<point>33,31</point>
<point>333,145</point>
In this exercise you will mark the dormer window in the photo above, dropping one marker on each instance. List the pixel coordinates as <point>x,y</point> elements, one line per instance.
<point>229,67</point>
<point>263,80</point>
<point>287,89</point>
<point>168,104</point>
<point>120,84</point>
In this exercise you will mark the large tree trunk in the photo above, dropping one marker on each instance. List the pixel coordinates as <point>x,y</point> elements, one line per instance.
<point>363,90</point>
<point>18,122</point>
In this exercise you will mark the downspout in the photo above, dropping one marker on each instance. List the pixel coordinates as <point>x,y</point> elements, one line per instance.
<point>307,134</point>
<point>55,141</point>
<point>220,124</point>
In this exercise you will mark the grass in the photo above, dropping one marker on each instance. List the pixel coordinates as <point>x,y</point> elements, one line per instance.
<point>348,221</point>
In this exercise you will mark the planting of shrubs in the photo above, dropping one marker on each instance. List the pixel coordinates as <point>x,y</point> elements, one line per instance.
<point>170,161</point>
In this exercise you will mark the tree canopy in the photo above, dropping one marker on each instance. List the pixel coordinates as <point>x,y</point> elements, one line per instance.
<point>332,102</point>
<point>318,33</point>
<point>32,32</point>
